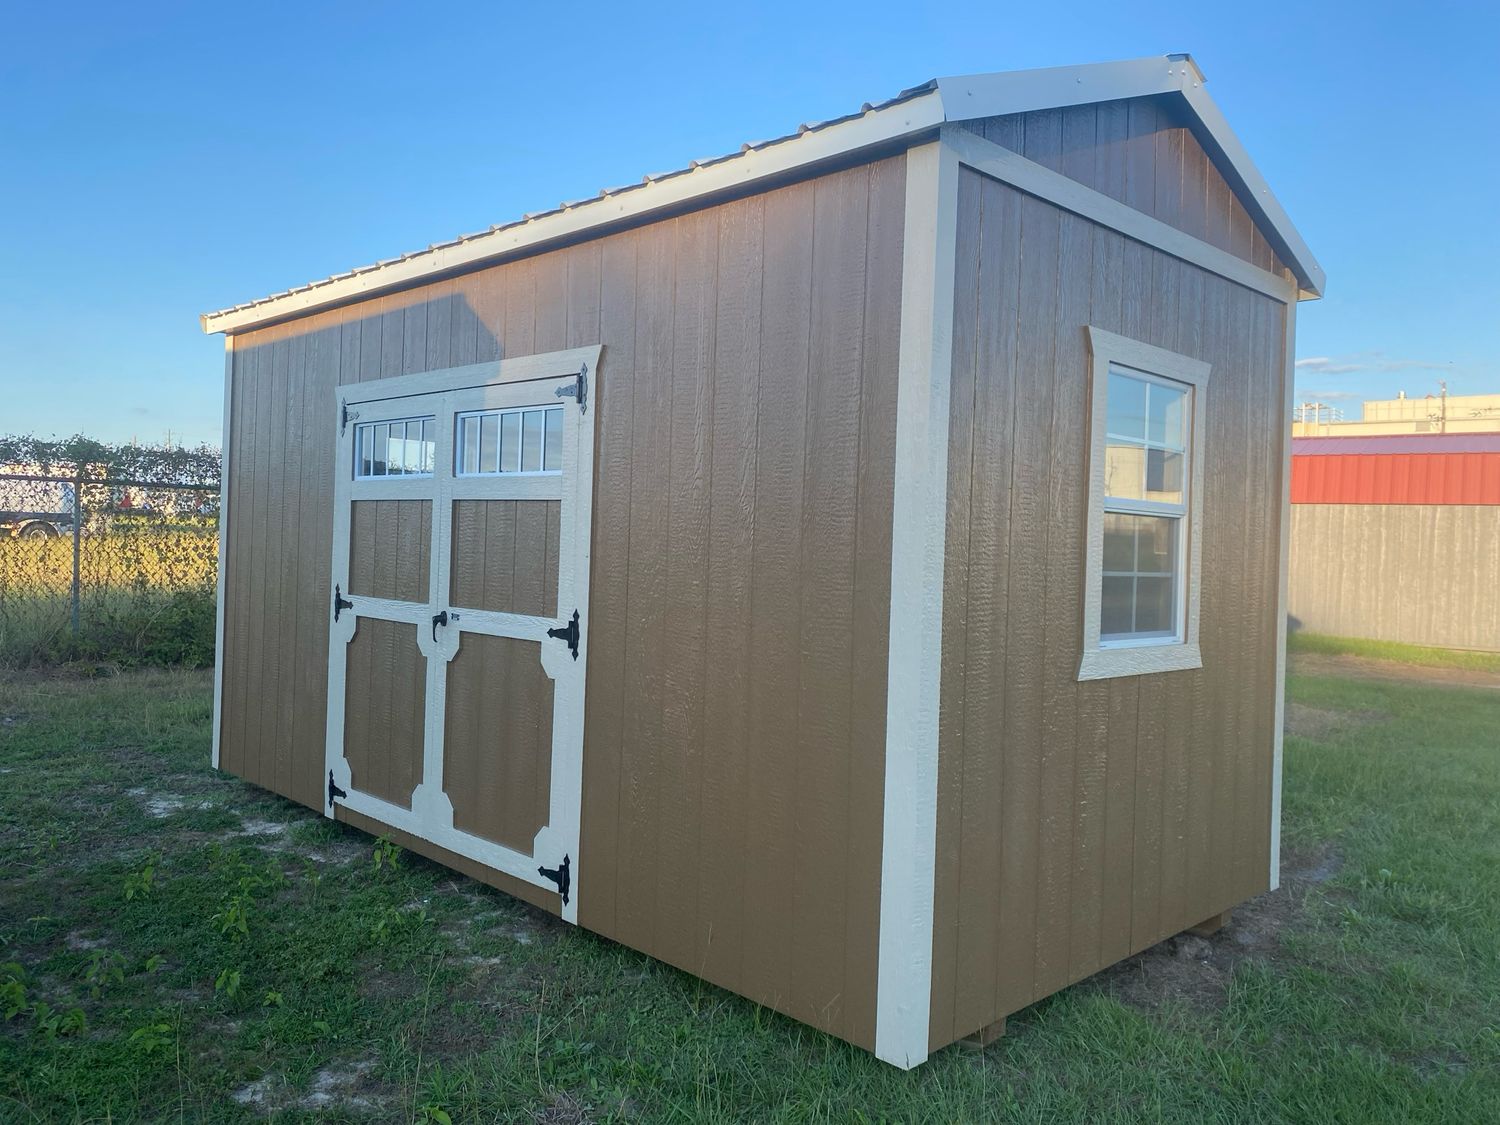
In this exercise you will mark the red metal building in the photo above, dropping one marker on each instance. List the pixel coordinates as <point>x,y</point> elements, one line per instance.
<point>1397,537</point>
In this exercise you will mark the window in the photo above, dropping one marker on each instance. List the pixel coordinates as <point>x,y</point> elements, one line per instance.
<point>1144,509</point>
<point>402,447</point>
<point>509,441</point>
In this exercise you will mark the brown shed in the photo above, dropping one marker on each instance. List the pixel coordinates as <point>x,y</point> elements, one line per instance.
<point>851,570</point>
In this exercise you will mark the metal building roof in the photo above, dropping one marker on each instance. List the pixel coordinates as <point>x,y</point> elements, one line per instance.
<point>913,112</point>
<point>1396,443</point>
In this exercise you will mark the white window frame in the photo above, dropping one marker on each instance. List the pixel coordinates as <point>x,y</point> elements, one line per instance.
<point>1135,656</point>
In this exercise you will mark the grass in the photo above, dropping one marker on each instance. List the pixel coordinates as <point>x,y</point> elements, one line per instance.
<point>1394,651</point>
<point>183,946</point>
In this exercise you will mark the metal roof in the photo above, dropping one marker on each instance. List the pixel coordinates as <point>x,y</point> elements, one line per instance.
<point>1395,443</point>
<point>913,112</point>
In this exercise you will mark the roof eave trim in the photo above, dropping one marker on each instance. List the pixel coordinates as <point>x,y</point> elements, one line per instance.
<point>911,114</point>
<point>915,114</point>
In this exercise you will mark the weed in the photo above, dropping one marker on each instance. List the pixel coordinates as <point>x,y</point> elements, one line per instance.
<point>138,884</point>
<point>387,854</point>
<point>228,982</point>
<point>104,968</point>
<point>152,1038</point>
<point>12,990</point>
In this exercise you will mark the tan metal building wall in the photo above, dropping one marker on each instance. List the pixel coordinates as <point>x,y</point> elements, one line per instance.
<point>1423,574</point>
<point>1081,822</point>
<point>734,760</point>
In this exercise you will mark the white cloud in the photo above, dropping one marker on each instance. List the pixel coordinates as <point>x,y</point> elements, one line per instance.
<point>1365,362</point>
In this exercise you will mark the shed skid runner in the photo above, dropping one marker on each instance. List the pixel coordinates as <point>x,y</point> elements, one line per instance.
<point>887,524</point>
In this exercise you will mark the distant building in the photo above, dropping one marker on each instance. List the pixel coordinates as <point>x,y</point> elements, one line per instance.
<point>1441,413</point>
<point>1396,536</point>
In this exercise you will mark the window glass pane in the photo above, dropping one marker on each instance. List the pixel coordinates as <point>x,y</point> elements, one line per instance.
<point>1124,469</point>
<point>1153,605</point>
<point>1119,542</point>
<point>1164,476</point>
<point>1165,416</point>
<point>552,457</point>
<point>510,442</point>
<point>366,461</point>
<point>1154,540</point>
<point>489,443</point>
<point>531,441</point>
<point>468,443</point>
<point>1115,610</point>
<point>382,438</point>
<point>1125,406</point>
<point>398,446</point>
<point>428,450</point>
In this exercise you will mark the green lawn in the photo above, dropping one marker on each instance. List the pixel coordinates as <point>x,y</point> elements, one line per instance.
<point>178,945</point>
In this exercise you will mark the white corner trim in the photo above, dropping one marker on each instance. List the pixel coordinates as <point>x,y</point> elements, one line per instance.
<point>1278,735</point>
<point>223,541</point>
<point>1001,163</point>
<point>1105,662</point>
<point>918,523</point>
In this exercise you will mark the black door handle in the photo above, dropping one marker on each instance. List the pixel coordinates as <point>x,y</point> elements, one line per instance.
<point>438,619</point>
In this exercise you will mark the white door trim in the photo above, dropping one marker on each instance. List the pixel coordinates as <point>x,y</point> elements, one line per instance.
<point>918,525</point>
<point>446,393</point>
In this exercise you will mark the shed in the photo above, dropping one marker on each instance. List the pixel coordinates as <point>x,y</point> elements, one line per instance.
<point>850,570</point>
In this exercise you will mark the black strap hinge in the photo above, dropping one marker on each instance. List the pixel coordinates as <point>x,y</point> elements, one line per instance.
<point>340,603</point>
<point>560,876</point>
<point>578,388</point>
<point>333,790</point>
<point>344,415</point>
<point>568,633</point>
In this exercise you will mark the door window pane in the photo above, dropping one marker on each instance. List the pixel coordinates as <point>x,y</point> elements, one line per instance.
<point>531,441</point>
<point>401,447</point>
<point>552,447</point>
<point>509,441</point>
<point>489,444</point>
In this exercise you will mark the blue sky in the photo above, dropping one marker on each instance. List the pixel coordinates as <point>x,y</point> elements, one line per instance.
<point>161,160</point>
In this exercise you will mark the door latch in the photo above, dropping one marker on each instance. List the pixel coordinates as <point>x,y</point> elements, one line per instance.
<point>340,603</point>
<point>560,876</point>
<point>568,633</point>
<point>439,619</point>
<point>578,388</point>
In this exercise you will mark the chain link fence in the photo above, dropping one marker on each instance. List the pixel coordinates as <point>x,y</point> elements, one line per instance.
<point>94,567</point>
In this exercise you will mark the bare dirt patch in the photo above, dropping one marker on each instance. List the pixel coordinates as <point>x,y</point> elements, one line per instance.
<point>1196,970</point>
<point>1317,723</point>
<point>1387,671</point>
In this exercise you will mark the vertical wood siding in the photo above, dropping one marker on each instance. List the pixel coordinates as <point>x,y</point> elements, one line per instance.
<point>1141,152</point>
<point>1424,574</point>
<point>734,740</point>
<point>1080,822</point>
<point>497,744</point>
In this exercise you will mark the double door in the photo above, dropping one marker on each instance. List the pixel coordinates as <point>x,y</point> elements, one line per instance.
<point>458,626</point>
